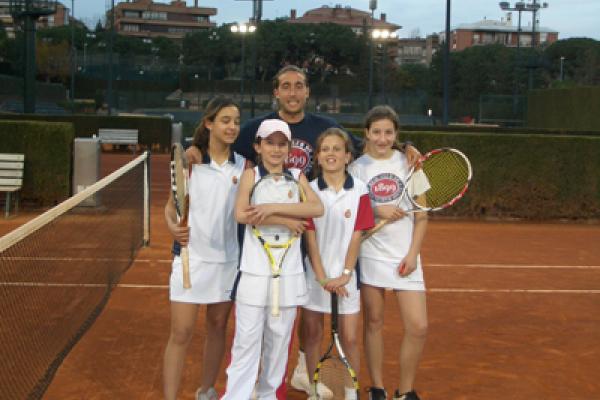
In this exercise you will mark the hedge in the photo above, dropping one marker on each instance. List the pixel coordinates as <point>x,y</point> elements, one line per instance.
<point>573,108</point>
<point>535,177</point>
<point>154,132</point>
<point>48,149</point>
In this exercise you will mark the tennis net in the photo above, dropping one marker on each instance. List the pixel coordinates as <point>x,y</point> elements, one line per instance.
<point>57,272</point>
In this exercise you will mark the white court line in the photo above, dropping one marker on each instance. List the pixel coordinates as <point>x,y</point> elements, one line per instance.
<point>434,265</point>
<point>435,290</point>
<point>509,266</point>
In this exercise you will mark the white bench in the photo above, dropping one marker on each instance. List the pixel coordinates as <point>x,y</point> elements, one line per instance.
<point>11,178</point>
<point>119,136</point>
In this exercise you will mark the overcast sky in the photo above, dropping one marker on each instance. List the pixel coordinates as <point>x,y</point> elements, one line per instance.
<point>571,18</point>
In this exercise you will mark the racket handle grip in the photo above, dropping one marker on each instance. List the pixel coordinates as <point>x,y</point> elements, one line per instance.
<point>185,262</point>
<point>375,229</point>
<point>275,297</point>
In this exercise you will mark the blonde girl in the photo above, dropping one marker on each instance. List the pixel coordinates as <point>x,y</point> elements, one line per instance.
<point>333,243</point>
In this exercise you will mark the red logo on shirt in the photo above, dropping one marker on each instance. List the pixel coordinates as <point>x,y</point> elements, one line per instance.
<point>385,187</point>
<point>300,156</point>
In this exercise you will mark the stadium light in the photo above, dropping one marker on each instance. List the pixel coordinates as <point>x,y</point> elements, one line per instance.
<point>383,36</point>
<point>243,29</point>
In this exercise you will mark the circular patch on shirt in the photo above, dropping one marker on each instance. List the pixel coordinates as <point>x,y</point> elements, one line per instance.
<point>348,213</point>
<point>385,187</point>
<point>290,194</point>
<point>300,156</point>
<point>234,180</point>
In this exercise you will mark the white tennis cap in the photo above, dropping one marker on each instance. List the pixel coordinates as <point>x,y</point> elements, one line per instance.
<point>270,126</point>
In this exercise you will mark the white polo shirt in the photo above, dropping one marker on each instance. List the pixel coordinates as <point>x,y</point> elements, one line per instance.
<point>213,228</point>
<point>385,182</point>
<point>346,211</point>
<point>254,257</point>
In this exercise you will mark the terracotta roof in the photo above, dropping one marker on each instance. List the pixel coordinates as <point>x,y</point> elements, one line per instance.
<point>343,16</point>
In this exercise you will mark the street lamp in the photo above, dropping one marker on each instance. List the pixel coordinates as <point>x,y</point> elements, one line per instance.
<point>213,36</point>
<point>243,29</point>
<point>85,45</point>
<point>383,36</point>
<point>197,78</point>
<point>562,71</point>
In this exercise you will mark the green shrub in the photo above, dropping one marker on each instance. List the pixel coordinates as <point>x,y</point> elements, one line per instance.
<point>48,149</point>
<point>154,132</point>
<point>569,108</point>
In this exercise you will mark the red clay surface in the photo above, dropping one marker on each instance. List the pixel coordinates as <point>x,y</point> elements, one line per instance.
<point>514,311</point>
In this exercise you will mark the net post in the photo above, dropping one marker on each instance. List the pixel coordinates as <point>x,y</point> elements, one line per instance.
<point>147,199</point>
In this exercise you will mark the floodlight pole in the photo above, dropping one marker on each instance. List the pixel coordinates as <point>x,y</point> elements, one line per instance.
<point>29,84</point>
<point>109,88</point>
<point>73,53</point>
<point>446,71</point>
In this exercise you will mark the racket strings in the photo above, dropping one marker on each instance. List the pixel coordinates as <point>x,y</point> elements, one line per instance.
<point>334,374</point>
<point>448,174</point>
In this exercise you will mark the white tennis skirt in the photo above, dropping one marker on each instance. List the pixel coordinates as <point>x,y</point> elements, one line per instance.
<point>211,282</point>
<point>384,274</point>
<point>319,299</point>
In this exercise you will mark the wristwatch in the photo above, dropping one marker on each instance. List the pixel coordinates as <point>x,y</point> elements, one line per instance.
<point>347,272</point>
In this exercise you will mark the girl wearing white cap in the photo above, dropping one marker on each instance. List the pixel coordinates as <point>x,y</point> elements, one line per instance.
<point>256,330</point>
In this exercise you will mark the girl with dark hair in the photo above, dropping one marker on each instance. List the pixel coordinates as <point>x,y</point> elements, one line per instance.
<point>390,259</point>
<point>214,175</point>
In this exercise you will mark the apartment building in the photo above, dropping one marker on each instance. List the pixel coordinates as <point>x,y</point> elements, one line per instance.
<point>503,32</point>
<point>147,19</point>
<point>347,16</point>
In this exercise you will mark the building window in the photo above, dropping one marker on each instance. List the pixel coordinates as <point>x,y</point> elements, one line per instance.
<point>154,15</point>
<point>202,18</point>
<point>173,29</point>
<point>131,14</point>
<point>543,37</point>
<point>131,28</point>
<point>50,20</point>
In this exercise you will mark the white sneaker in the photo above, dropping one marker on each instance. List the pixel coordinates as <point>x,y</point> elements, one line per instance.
<point>300,382</point>
<point>210,394</point>
<point>350,393</point>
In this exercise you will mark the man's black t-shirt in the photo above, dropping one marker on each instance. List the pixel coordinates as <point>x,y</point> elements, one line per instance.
<point>304,136</point>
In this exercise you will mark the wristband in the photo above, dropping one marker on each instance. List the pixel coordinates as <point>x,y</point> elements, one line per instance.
<point>322,282</point>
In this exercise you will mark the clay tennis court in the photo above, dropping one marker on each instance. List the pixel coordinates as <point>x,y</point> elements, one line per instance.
<point>514,311</point>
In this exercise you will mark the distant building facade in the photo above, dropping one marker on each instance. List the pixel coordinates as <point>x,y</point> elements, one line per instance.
<point>147,19</point>
<point>502,32</point>
<point>357,20</point>
<point>416,50</point>
<point>60,18</point>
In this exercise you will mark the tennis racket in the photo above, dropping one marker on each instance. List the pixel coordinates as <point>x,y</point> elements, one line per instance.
<point>276,240</point>
<point>334,371</point>
<point>179,187</point>
<point>448,172</point>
